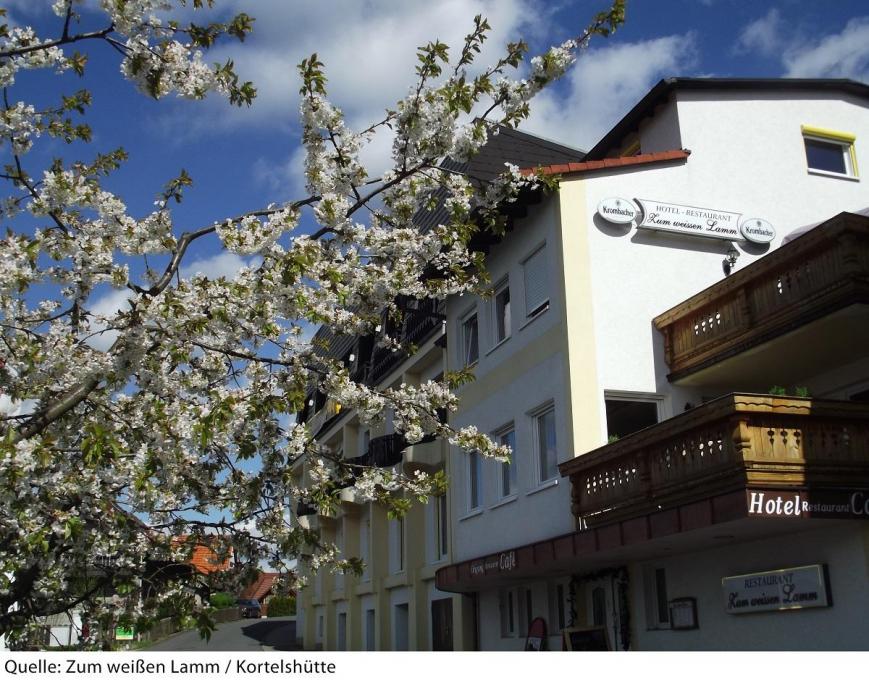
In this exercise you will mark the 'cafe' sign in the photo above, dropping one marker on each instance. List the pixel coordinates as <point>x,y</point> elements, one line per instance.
<point>686,219</point>
<point>506,561</point>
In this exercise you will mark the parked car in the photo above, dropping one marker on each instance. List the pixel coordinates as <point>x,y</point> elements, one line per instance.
<point>250,609</point>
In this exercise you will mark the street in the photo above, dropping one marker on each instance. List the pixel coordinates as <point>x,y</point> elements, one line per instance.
<point>245,635</point>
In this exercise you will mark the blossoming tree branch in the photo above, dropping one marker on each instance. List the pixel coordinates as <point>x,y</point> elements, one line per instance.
<point>118,458</point>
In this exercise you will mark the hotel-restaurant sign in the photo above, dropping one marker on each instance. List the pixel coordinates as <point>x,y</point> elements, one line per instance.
<point>686,219</point>
<point>815,504</point>
<point>506,561</point>
<point>797,588</point>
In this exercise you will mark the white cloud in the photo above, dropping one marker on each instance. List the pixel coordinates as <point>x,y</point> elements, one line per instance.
<point>368,48</point>
<point>763,35</point>
<point>603,84</point>
<point>106,306</point>
<point>224,264</point>
<point>840,55</point>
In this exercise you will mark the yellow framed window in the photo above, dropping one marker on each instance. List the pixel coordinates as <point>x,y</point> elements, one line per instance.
<point>830,152</point>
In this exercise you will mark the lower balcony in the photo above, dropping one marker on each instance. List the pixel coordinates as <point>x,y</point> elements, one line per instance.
<point>776,456</point>
<point>424,456</point>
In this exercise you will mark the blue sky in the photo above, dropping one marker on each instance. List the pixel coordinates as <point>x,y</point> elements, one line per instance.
<point>241,159</point>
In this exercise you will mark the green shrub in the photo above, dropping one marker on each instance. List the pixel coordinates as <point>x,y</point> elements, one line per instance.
<point>222,600</point>
<point>282,606</point>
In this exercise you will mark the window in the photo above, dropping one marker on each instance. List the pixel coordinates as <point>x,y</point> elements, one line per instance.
<point>508,613</point>
<point>560,598</point>
<point>475,480</point>
<point>547,453</point>
<point>400,623</point>
<point>536,283</point>
<point>365,543</point>
<point>655,591</point>
<point>502,312</point>
<point>396,534</point>
<point>339,543</point>
<point>439,514</point>
<point>598,606</point>
<point>830,152</point>
<point>507,486</point>
<point>369,630</point>
<point>470,340</point>
<point>342,632</point>
<point>627,413</point>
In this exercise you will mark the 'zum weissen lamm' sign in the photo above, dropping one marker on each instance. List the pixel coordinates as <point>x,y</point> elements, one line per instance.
<point>686,219</point>
<point>796,588</point>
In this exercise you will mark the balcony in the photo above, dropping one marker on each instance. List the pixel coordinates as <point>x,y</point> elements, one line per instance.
<point>329,410</point>
<point>727,446</point>
<point>798,312</point>
<point>424,456</point>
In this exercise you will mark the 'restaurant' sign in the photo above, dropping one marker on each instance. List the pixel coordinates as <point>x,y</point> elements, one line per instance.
<point>823,503</point>
<point>506,561</point>
<point>797,588</point>
<point>687,219</point>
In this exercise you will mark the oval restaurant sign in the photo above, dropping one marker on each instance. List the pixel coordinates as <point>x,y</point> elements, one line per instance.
<point>688,219</point>
<point>757,230</point>
<point>617,210</point>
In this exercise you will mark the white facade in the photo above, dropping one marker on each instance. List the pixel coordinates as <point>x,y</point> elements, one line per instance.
<point>595,340</point>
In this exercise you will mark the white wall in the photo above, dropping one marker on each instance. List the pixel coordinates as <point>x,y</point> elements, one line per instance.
<point>748,157</point>
<point>840,627</point>
<point>522,373</point>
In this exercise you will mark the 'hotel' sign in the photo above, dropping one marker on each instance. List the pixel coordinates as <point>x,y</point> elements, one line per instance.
<point>823,504</point>
<point>686,219</point>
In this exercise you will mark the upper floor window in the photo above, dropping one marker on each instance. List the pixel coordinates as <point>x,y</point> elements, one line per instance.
<point>470,339</point>
<point>830,152</point>
<point>547,452</point>
<point>502,312</point>
<point>507,437</point>
<point>475,481</point>
<point>440,527</point>
<point>536,282</point>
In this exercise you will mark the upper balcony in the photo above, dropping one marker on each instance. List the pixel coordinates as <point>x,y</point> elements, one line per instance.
<point>795,313</point>
<point>810,448</point>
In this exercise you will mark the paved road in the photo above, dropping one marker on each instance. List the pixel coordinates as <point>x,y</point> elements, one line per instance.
<point>246,635</point>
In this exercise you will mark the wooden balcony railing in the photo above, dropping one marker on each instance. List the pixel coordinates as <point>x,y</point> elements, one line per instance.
<point>734,442</point>
<point>823,271</point>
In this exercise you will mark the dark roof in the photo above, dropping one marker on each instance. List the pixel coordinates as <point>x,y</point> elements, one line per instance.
<point>508,146</point>
<point>661,92</point>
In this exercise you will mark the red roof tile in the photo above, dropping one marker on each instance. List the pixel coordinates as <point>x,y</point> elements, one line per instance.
<point>259,588</point>
<point>587,166</point>
<point>203,558</point>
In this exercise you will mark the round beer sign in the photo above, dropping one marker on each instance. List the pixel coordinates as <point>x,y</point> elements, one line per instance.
<point>757,230</point>
<point>617,210</point>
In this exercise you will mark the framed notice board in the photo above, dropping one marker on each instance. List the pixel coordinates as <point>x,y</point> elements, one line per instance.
<point>585,639</point>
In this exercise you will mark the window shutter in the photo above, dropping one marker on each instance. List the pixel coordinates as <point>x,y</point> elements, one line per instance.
<point>536,283</point>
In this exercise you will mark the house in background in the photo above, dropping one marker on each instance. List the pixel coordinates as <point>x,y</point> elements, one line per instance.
<point>638,320</point>
<point>260,590</point>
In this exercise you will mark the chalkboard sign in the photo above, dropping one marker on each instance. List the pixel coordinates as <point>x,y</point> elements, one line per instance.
<point>585,639</point>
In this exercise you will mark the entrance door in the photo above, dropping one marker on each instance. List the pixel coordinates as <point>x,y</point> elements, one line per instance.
<point>442,625</point>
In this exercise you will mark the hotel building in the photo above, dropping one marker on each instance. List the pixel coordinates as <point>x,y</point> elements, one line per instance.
<point>676,350</point>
